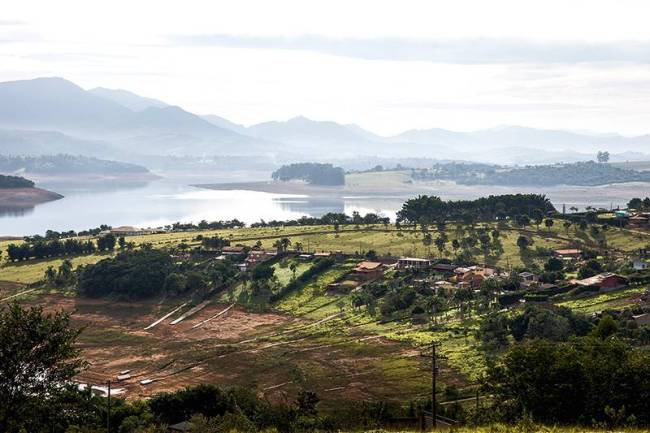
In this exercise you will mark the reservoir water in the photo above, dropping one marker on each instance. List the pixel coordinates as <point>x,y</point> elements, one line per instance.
<point>168,200</point>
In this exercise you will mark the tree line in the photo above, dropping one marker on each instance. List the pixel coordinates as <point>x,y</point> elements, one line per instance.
<point>331,218</point>
<point>426,210</point>
<point>587,173</point>
<point>41,249</point>
<point>311,172</point>
<point>13,182</point>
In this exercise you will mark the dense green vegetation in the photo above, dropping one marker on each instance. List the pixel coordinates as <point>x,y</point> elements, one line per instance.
<point>11,182</point>
<point>37,359</point>
<point>427,210</point>
<point>129,275</point>
<point>66,164</point>
<point>587,173</point>
<point>311,172</point>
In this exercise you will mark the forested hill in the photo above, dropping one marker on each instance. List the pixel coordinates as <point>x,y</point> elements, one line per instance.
<point>67,164</point>
<point>311,172</point>
<point>15,182</point>
<point>580,173</point>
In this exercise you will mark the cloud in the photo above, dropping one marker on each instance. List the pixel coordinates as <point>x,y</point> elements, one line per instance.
<point>459,51</point>
<point>63,57</point>
<point>496,106</point>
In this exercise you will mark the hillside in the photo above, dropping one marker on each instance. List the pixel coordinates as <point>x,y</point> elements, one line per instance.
<point>587,173</point>
<point>24,142</point>
<point>63,164</point>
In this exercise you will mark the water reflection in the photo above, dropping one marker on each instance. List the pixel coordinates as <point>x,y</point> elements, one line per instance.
<point>15,211</point>
<point>311,206</point>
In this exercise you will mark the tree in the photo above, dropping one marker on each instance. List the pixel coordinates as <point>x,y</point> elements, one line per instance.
<point>523,242</point>
<point>293,267</point>
<point>38,358</point>
<point>121,242</point>
<point>455,245</point>
<point>440,242</point>
<point>175,284</point>
<point>106,242</point>
<point>538,217</point>
<point>548,222</point>
<point>602,157</point>
<point>554,264</point>
<point>306,403</point>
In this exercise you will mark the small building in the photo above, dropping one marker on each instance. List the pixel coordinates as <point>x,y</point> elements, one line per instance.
<point>342,287</point>
<point>258,256</point>
<point>642,319</point>
<point>413,263</point>
<point>127,231</point>
<point>528,280</point>
<point>569,253</point>
<point>473,275</point>
<point>444,267</point>
<point>231,251</point>
<point>639,265</point>
<point>369,270</point>
<point>606,281</point>
<point>638,221</point>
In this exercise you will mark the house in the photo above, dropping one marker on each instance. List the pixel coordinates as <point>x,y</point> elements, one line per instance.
<point>127,231</point>
<point>341,287</point>
<point>606,281</point>
<point>528,280</point>
<point>233,251</point>
<point>444,267</point>
<point>569,253</point>
<point>642,319</point>
<point>258,256</point>
<point>638,221</point>
<point>443,287</point>
<point>413,263</point>
<point>369,270</point>
<point>474,275</point>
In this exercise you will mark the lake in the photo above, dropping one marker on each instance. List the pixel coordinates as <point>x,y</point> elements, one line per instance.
<point>169,200</point>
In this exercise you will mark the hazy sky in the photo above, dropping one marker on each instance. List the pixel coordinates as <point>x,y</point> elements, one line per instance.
<point>386,65</point>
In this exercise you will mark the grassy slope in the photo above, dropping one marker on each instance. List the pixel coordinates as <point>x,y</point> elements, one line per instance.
<point>349,239</point>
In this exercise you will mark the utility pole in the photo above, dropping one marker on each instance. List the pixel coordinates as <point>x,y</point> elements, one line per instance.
<point>434,379</point>
<point>434,376</point>
<point>108,415</point>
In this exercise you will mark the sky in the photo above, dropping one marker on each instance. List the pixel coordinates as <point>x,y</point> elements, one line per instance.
<point>388,66</point>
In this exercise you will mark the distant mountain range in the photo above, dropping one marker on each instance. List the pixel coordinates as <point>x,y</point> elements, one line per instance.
<point>53,115</point>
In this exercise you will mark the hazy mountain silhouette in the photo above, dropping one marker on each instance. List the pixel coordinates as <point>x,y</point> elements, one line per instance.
<point>55,103</point>
<point>222,122</point>
<point>127,99</point>
<point>18,142</point>
<point>135,124</point>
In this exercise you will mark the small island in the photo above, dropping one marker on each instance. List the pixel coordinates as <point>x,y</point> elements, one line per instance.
<point>18,192</point>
